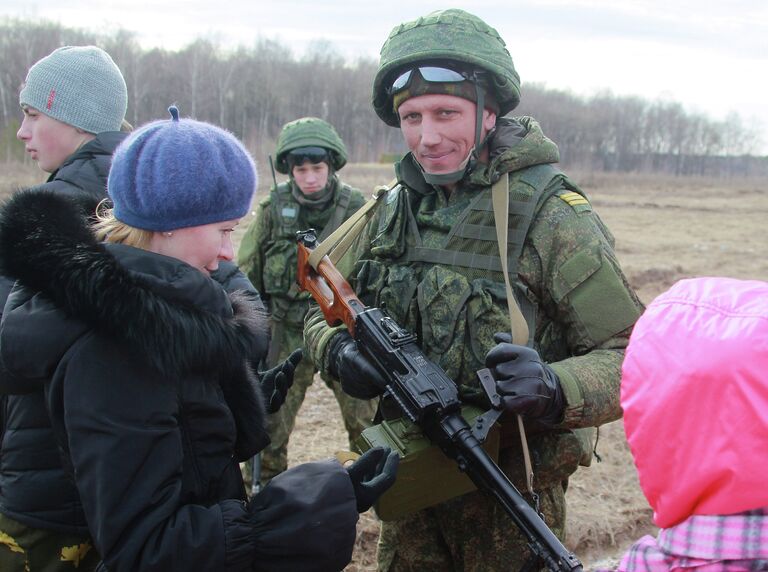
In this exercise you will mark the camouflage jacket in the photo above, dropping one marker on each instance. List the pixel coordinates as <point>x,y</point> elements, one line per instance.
<point>583,307</point>
<point>267,252</point>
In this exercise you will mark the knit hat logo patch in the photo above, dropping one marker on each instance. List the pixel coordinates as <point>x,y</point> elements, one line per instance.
<point>51,97</point>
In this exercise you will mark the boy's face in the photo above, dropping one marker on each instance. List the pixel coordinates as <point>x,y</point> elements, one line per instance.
<point>311,177</point>
<point>47,140</point>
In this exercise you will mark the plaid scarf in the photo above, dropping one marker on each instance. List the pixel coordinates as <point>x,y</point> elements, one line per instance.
<point>703,543</point>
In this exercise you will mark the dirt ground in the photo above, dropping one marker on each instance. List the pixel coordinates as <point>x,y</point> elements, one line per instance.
<point>665,229</point>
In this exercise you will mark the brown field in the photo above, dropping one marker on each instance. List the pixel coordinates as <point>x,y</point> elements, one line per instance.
<point>665,229</point>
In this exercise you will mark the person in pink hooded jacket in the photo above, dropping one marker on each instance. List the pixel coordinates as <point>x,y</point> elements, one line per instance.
<point>694,391</point>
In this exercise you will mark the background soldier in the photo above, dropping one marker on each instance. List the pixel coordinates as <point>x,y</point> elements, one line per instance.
<point>311,152</point>
<point>432,259</point>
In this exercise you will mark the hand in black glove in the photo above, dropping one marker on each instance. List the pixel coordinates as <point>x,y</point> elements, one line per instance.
<point>275,382</point>
<point>358,376</point>
<point>372,474</point>
<point>527,385</point>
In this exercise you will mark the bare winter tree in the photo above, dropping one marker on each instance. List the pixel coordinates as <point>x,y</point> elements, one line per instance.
<point>254,90</point>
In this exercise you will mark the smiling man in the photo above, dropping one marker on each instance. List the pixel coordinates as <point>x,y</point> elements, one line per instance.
<point>440,132</point>
<point>432,259</point>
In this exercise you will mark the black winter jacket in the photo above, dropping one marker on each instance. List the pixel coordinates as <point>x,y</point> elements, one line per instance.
<point>83,175</point>
<point>33,488</point>
<point>151,400</point>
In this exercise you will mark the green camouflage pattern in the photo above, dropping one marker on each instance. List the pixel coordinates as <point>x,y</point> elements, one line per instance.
<point>309,132</point>
<point>470,533</point>
<point>25,549</point>
<point>267,255</point>
<point>446,35</point>
<point>267,252</point>
<point>357,414</point>
<point>585,310</point>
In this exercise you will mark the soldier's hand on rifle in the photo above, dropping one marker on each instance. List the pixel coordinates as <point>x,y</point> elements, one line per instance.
<point>358,376</point>
<point>372,474</point>
<point>526,384</point>
<point>275,382</point>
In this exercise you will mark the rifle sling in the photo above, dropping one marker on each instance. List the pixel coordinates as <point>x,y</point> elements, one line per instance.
<point>339,241</point>
<point>500,194</point>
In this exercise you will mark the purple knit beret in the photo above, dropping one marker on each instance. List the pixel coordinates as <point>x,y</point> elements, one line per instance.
<point>180,173</point>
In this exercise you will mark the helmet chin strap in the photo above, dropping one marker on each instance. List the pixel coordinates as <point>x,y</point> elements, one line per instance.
<point>471,160</point>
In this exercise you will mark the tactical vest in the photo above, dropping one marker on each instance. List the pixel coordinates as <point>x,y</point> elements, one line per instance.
<point>286,211</point>
<point>459,284</point>
<point>279,274</point>
<point>454,297</point>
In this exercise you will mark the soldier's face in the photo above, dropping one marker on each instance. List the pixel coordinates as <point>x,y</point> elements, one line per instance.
<point>47,140</point>
<point>440,130</point>
<point>201,247</point>
<point>311,177</point>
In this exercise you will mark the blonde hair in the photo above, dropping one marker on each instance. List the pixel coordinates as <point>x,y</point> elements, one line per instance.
<point>109,229</point>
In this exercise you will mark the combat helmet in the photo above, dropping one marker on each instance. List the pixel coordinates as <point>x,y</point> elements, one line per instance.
<point>309,132</point>
<point>446,35</point>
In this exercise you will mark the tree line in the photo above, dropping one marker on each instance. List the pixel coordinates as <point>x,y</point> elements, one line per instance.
<point>253,90</point>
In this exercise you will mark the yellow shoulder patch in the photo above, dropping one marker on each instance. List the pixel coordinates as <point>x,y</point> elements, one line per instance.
<point>576,201</point>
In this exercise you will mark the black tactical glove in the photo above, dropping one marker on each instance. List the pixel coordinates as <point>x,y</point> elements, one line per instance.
<point>372,474</point>
<point>358,376</point>
<point>275,382</point>
<point>527,385</point>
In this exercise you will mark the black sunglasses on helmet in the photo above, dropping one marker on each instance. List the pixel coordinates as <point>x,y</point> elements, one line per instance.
<point>431,74</point>
<point>314,155</point>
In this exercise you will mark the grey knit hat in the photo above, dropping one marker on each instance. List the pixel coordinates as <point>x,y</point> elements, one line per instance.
<point>80,86</point>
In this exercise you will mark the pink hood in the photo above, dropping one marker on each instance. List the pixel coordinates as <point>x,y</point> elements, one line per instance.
<point>694,391</point>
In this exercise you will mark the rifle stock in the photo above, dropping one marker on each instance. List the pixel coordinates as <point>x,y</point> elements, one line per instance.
<point>426,396</point>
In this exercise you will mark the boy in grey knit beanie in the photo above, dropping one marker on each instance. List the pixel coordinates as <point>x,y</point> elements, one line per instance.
<point>77,86</point>
<point>74,102</point>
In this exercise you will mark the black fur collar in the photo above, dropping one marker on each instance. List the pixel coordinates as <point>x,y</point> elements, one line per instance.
<point>162,307</point>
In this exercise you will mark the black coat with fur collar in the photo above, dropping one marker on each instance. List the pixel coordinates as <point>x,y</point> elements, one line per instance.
<point>144,361</point>
<point>33,488</point>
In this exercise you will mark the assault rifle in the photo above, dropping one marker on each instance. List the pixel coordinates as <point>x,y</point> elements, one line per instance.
<point>428,397</point>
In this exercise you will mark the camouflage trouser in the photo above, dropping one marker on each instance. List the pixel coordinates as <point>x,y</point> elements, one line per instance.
<point>471,533</point>
<point>25,549</point>
<point>356,413</point>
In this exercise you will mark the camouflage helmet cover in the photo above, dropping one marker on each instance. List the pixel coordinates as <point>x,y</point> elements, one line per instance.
<point>453,35</point>
<point>309,132</point>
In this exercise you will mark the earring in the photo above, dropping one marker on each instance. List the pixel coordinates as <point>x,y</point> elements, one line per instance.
<point>168,233</point>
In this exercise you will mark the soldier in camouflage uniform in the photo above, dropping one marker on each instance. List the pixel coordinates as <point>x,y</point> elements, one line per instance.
<point>432,259</point>
<point>311,152</point>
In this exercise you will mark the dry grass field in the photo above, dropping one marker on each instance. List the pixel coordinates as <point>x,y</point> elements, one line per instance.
<point>665,229</point>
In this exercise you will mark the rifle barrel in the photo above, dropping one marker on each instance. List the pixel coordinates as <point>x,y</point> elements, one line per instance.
<point>487,476</point>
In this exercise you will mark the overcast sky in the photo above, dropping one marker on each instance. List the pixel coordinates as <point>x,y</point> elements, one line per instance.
<point>710,55</point>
